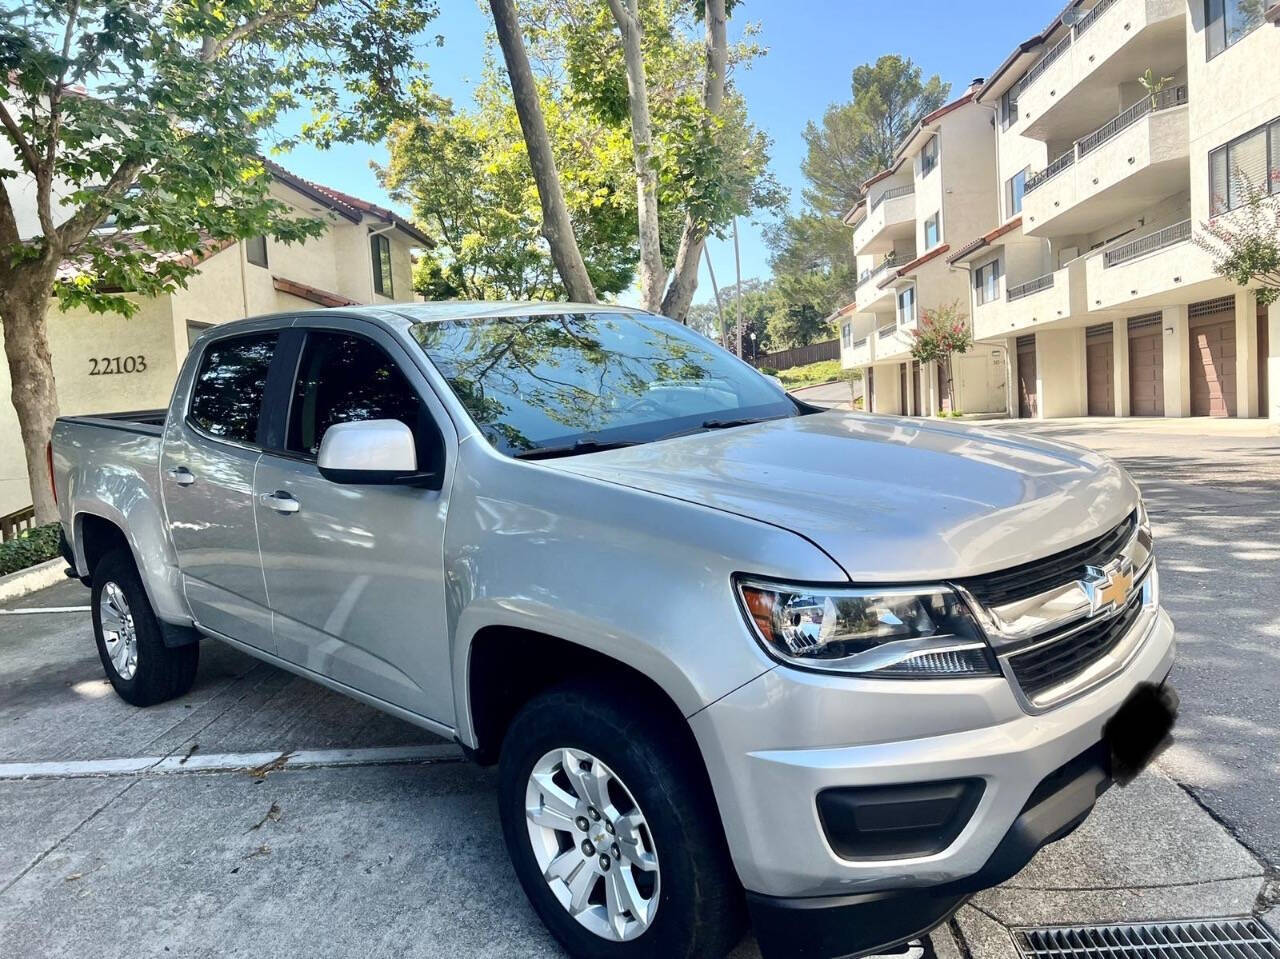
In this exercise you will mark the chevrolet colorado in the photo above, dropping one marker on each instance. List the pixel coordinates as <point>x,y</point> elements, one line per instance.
<point>737,659</point>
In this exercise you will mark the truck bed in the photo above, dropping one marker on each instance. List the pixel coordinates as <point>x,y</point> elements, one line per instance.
<point>150,422</point>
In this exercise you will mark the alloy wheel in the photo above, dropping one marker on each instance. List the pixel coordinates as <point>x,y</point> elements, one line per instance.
<point>118,631</point>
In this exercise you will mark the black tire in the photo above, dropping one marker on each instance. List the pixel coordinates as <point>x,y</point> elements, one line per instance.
<point>701,911</point>
<point>161,672</point>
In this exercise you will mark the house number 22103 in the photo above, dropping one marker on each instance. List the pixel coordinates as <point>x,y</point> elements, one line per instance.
<point>111,365</point>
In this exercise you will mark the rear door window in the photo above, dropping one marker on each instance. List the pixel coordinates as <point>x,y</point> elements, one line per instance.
<point>226,398</point>
<point>346,379</point>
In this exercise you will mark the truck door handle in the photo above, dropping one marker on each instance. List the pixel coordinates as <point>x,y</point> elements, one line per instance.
<point>280,501</point>
<point>181,475</point>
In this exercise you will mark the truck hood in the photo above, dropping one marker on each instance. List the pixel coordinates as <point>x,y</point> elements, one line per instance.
<point>889,499</point>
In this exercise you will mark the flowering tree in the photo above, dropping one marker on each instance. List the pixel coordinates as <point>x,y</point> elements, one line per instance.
<point>1245,244</point>
<point>940,334</point>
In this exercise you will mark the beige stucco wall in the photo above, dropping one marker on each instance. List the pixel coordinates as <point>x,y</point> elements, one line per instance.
<point>79,342</point>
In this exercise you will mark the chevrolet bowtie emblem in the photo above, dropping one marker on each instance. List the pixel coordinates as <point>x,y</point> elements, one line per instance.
<point>1109,587</point>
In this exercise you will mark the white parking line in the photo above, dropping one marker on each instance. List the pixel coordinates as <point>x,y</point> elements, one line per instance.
<point>33,610</point>
<point>230,762</point>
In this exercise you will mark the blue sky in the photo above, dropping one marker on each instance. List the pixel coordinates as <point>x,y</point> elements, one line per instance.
<point>813,47</point>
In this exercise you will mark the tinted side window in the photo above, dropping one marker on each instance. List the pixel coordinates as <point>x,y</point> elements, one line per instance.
<point>226,398</point>
<point>345,379</point>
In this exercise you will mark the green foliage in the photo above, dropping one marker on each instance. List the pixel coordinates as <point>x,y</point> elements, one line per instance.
<point>811,374</point>
<point>29,548</point>
<point>1245,245</point>
<point>164,144</point>
<point>941,333</point>
<point>810,250</point>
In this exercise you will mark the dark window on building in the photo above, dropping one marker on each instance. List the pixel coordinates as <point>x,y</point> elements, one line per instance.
<point>907,306</point>
<point>255,250</point>
<point>986,281</point>
<point>1249,163</point>
<point>1015,188</point>
<point>1009,105</point>
<point>346,379</point>
<point>846,335</point>
<point>226,398</point>
<point>381,248</point>
<point>929,156</point>
<point>1227,21</point>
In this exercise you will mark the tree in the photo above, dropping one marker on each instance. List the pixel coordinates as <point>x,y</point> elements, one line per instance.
<point>856,140</point>
<point>941,334</point>
<point>1245,244</point>
<point>151,113</point>
<point>556,224</point>
<point>465,174</point>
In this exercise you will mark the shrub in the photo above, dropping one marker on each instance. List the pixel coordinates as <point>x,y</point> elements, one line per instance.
<point>29,548</point>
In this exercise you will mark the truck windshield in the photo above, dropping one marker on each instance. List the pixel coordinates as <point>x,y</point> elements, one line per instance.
<point>578,382</point>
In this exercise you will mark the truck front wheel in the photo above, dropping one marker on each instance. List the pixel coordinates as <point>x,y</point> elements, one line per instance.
<point>141,668</point>
<point>613,833</point>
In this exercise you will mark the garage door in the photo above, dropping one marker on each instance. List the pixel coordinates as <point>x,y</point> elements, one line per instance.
<point>1100,370</point>
<point>1264,352</point>
<point>915,388</point>
<point>1213,357</point>
<point>1146,365</point>
<point>1028,400</point>
<point>902,387</point>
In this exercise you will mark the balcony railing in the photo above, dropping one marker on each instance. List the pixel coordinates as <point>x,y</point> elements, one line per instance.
<point>1173,97</point>
<point>1049,172</point>
<point>1147,244</point>
<point>887,330</point>
<point>859,344</point>
<point>1031,286</point>
<point>890,194</point>
<point>874,271</point>
<point>1043,64</point>
<point>1090,18</point>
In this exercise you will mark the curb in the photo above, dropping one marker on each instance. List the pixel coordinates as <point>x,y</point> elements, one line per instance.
<point>26,581</point>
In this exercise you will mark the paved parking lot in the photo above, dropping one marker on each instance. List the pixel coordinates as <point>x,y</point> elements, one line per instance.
<point>202,847</point>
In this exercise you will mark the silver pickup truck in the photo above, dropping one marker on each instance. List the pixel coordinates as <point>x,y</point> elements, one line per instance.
<point>737,659</point>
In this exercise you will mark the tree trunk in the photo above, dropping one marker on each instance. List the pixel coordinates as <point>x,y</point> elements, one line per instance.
<point>556,225</point>
<point>684,282</point>
<point>24,302</point>
<point>652,273</point>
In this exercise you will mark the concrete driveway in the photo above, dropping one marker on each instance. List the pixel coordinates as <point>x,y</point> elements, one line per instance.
<point>372,838</point>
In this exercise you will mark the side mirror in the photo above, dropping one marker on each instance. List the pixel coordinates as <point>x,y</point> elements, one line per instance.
<point>370,452</point>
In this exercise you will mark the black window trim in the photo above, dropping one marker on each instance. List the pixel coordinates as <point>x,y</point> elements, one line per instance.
<point>1265,130</point>
<point>280,393</point>
<point>378,242</point>
<point>266,259</point>
<point>264,410</point>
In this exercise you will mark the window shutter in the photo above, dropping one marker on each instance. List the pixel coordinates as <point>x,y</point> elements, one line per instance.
<point>1218,181</point>
<point>1248,163</point>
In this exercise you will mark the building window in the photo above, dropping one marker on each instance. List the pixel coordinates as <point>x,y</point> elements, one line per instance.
<point>1014,190</point>
<point>1247,164</point>
<point>194,329</point>
<point>381,248</point>
<point>929,156</point>
<point>932,231</point>
<point>907,306</point>
<point>1227,21</point>
<point>1009,106</point>
<point>255,250</point>
<point>986,282</point>
<point>846,335</point>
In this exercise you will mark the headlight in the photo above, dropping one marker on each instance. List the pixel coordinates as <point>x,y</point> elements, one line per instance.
<point>901,634</point>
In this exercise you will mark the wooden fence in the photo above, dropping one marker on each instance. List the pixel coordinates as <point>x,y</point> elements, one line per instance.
<point>16,522</point>
<point>800,355</point>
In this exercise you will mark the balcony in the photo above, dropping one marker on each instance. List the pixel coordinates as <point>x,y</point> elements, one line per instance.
<point>869,294</point>
<point>891,216</point>
<point>861,353</point>
<point>1035,302</point>
<point>892,343</point>
<point>1158,269</point>
<point>1112,44</point>
<point>1127,165</point>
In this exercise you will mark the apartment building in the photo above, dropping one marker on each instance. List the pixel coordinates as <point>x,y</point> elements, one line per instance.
<point>114,363</point>
<point>1087,273</point>
<point>938,190</point>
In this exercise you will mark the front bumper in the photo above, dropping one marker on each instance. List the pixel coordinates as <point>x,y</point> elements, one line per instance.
<point>880,733</point>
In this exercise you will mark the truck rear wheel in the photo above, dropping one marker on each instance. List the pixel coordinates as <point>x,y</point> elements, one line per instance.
<point>613,832</point>
<point>141,668</point>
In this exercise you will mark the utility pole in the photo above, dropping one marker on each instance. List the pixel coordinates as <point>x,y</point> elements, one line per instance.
<point>737,263</point>
<point>724,330</point>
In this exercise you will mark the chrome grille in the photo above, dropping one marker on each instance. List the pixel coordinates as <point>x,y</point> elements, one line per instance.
<point>1055,661</point>
<point>1191,939</point>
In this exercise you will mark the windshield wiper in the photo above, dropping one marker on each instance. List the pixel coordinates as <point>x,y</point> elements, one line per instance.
<point>571,449</point>
<point>708,425</point>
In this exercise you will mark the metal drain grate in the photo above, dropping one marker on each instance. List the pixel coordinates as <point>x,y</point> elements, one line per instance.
<point>1201,939</point>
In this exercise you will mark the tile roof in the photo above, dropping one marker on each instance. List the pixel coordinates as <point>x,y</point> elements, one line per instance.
<point>986,239</point>
<point>910,267</point>
<point>311,293</point>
